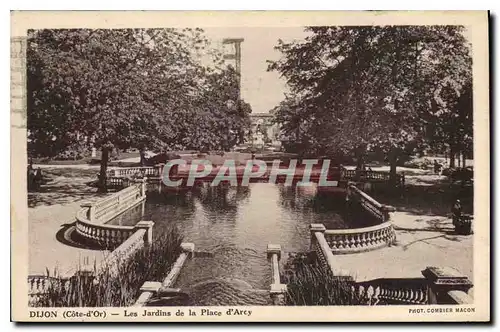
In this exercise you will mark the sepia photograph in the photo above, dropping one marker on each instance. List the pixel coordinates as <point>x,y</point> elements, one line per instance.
<point>235,169</point>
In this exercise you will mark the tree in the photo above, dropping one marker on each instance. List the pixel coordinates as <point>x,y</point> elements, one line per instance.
<point>123,88</point>
<point>364,88</point>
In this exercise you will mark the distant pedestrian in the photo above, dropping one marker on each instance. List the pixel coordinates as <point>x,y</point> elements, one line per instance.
<point>437,167</point>
<point>456,211</point>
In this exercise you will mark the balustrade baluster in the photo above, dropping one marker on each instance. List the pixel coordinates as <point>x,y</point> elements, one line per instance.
<point>107,238</point>
<point>383,292</point>
<point>390,294</point>
<point>341,242</point>
<point>352,242</point>
<point>359,243</point>
<point>364,239</point>
<point>405,296</point>
<point>417,296</point>
<point>370,291</point>
<point>399,294</point>
<point>361,291</point>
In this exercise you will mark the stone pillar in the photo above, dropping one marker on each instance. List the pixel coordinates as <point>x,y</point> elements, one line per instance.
<point>386,209</point>
<point>278,290</point>
<point>143,208</point>
<point>148,289</point>
<point>90,211</point>
<point>348,191</point>
<point>444,284</point>
<point>18,81</point>
<point>188,248</point>
<point>159,169</point>
<point>143,187</point>
<point>274,254</point>
<point>148,226</point>
<point>18,113</point>
<point>314,228</point>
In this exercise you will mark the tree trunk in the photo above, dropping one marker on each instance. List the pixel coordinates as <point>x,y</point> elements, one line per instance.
<point>360,157</point>
<point>360,162</point>
<point>393,158</point>
<point>463,159</point>
<point>104,167</point>
<point>452,156</point>
<point>142,153</point>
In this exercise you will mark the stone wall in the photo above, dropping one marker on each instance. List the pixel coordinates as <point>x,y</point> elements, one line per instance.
<point>18,82</point>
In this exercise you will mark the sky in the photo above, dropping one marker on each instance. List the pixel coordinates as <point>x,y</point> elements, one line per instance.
<point>263,90</point>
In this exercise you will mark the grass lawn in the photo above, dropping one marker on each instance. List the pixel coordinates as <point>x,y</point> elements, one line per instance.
<point>86,160</point>
<point>64,185</point>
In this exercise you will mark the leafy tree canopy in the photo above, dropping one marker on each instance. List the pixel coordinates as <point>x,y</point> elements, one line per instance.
<point>354,89</point>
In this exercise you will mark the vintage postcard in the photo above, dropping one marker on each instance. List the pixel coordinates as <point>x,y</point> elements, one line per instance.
<point>250,166</point>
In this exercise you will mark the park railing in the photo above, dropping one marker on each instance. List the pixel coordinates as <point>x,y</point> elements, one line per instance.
<point>92,218</point>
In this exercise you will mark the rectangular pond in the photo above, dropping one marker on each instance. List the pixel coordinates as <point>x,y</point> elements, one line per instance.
<point>231,228</point>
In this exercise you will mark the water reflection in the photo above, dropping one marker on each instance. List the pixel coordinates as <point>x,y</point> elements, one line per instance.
<point>234,225</point>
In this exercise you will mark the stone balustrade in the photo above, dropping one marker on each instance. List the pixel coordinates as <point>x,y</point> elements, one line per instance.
<point>91,219</point>
<point>349,241</point>
<point>278,290</point>
<point>142,235</point>
<point>142,171</point>
<point>38,284</point>
<point>438,286</point>
<point>113,182</point>
<point>150,288</point>
<point>378,210</point>
<point>385,291</point>
<point>91,225</point>
<point>324,254</point>
<point>375,176</point>
<point>447,286</point>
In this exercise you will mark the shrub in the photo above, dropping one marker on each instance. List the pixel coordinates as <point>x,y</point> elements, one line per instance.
<point>118,286</point>
<point>309,284</point>
<point>459,174</point>
<point>423,163</point>
<point>75,151</point>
